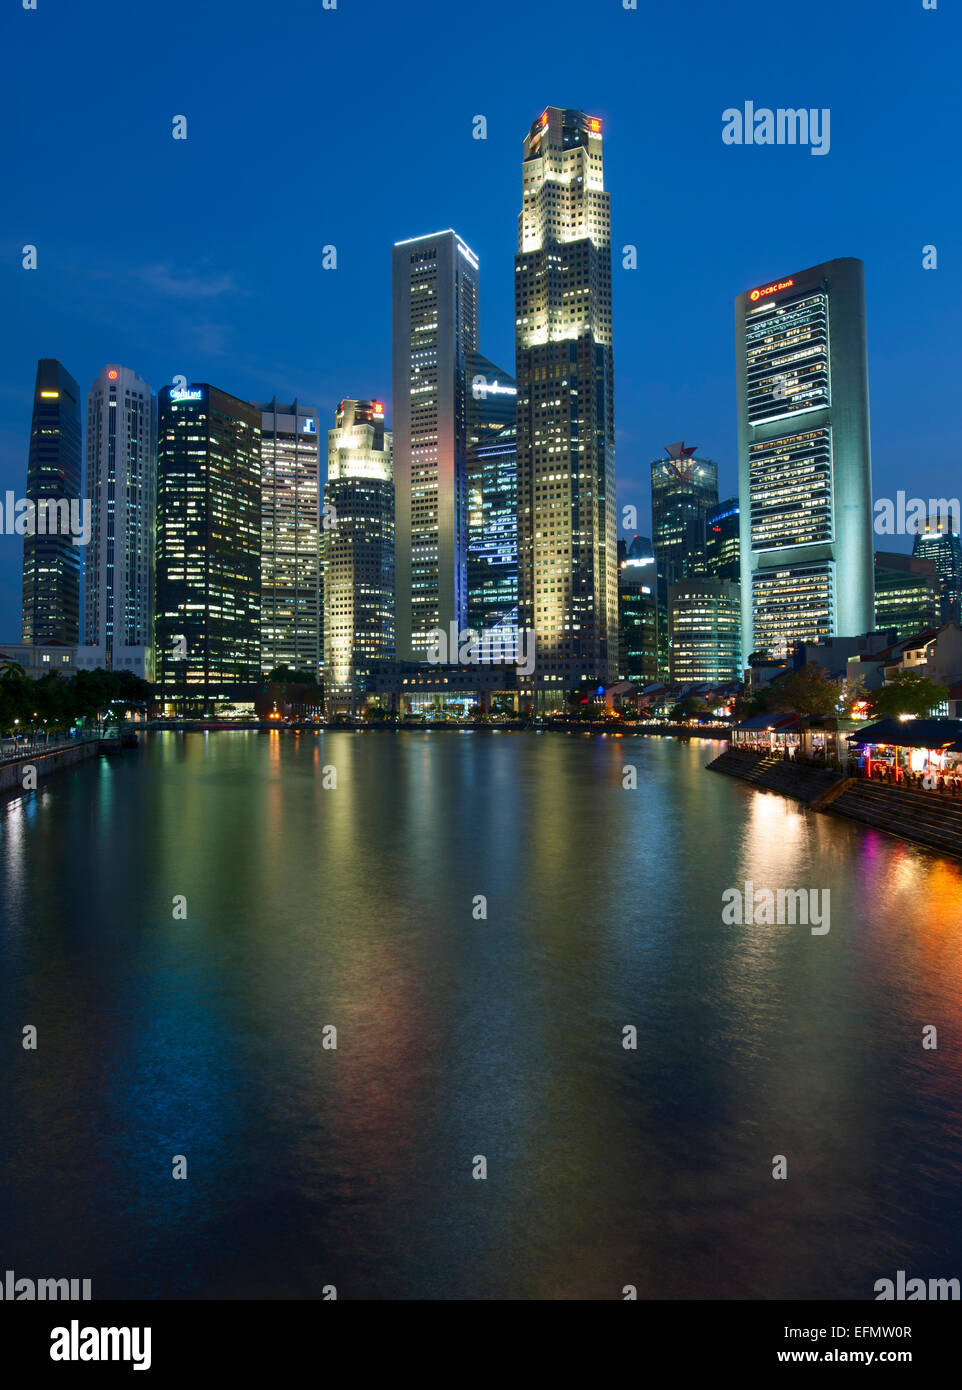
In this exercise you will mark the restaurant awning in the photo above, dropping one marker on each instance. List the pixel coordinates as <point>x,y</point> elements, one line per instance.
<point>760,723</point>
<point>912,733</point>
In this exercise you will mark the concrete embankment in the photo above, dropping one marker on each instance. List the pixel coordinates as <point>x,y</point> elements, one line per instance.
<point>929,818</point>
<point>772,774</point>
<point>12,774</point>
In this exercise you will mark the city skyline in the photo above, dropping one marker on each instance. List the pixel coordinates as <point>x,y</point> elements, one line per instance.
<point>201,306</point>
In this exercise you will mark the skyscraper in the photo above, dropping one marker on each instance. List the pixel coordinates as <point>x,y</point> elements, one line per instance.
<point>291,618</point>
<point>705,630</point>
<point>208,549</point>
<point>51,560</point>
<point>567,543</point>
<point>119,562</point>
<point>638,613</point>
<point>358,553</point>
<point>683,491</point>
<point>722,526</point>
<point>492,501</point>
<point>906,593</point>
<point>940,543</point>
<point>436,309</point>
<point>804,459</point>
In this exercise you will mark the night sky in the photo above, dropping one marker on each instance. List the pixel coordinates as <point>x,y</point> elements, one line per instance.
<point>353,127</point>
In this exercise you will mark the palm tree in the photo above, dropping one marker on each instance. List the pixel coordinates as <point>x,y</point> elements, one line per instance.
<point>11,670</point>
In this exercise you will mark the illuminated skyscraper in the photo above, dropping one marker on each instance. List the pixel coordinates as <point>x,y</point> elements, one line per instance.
<point>290,538</point>
<point>804,459</point>
<point>638,613</point>
<point>705,630</point>
<point>722,549</point>
<point>51,561</point>
<point>436,297</point>
<point>208,550</point>
<point>358,553</point>
<point>683,491</point>
<point>567,543</point>
<point>119,562</point>
<point>492,502</point>
<point>940,543</point>
<point>906,593</point>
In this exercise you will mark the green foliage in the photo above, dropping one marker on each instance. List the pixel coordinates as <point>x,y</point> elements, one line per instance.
<point>808,691</point>
<point>57,702</point>
<point>907,693</point>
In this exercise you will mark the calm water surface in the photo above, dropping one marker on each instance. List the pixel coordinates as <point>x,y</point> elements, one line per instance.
<point>458,1037</point>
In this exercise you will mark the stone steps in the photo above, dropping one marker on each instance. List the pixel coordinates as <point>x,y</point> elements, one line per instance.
<point>928,818</point>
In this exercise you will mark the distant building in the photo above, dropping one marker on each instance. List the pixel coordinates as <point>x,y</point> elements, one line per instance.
<point>567,520</point>
<point>41,660</point>
<point>358,541</point>
<point>804,458</point>
<point>940,543</point>
<point>492,500</point>
<point>436,315</point>
<point>208,550</point>
<point>705,630</point>
<point>638,613</point>
<point>291,619</point>
<point>906,593</point>
<point>684,489</point>
<point>118,628</point>
<point>51,560</point>
<point>722,548</point>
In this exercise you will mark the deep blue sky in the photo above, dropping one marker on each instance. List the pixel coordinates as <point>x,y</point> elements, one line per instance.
<point>354,127</point>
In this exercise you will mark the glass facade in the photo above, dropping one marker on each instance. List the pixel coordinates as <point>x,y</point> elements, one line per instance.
<point>51,561</point>
<point>208,549</point>
<point>940,543</point>
<point>684,489</point>
<point>638,613</point>
<point>722,547</point>
<point>906,594</point>
<point>290,538</point>
<point>121,484</point>
<point>705,631</point>
<point>436,291</point>
<point>567,543</point>
<point>804,459</point>
<point>359,629</point>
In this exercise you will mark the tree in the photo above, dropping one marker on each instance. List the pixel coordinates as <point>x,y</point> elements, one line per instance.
<point>809,691</point>
<point>907,692</point>
<point>691,707</point>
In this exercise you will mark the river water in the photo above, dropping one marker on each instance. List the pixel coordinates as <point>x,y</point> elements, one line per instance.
<point>464,1037</point>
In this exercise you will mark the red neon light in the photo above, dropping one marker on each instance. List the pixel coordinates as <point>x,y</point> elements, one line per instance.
<point>594,124</point>
<point>112,374</point>
<point>770,289</point>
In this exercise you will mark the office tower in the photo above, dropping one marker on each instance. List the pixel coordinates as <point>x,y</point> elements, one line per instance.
<point>940,543</point>
<point>722,551</point>
<point>804,459</point>
<point>208,550</point>
<point>291,618</point>
<point>567,555</point>
<point>436,309</point>
<point>705,630</point>
<point>906,593</point>
<point>358,553</point>
<point>492,503</point>
<point>683,491</point>
<point>119,561</point>
<point>637,612</point>
<point>51,560</point>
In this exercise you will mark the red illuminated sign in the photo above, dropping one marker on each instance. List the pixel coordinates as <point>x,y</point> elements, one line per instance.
<point>594,125</point>
<point>377,407</point>
<point>112,374</point>
<point>766,290</point>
